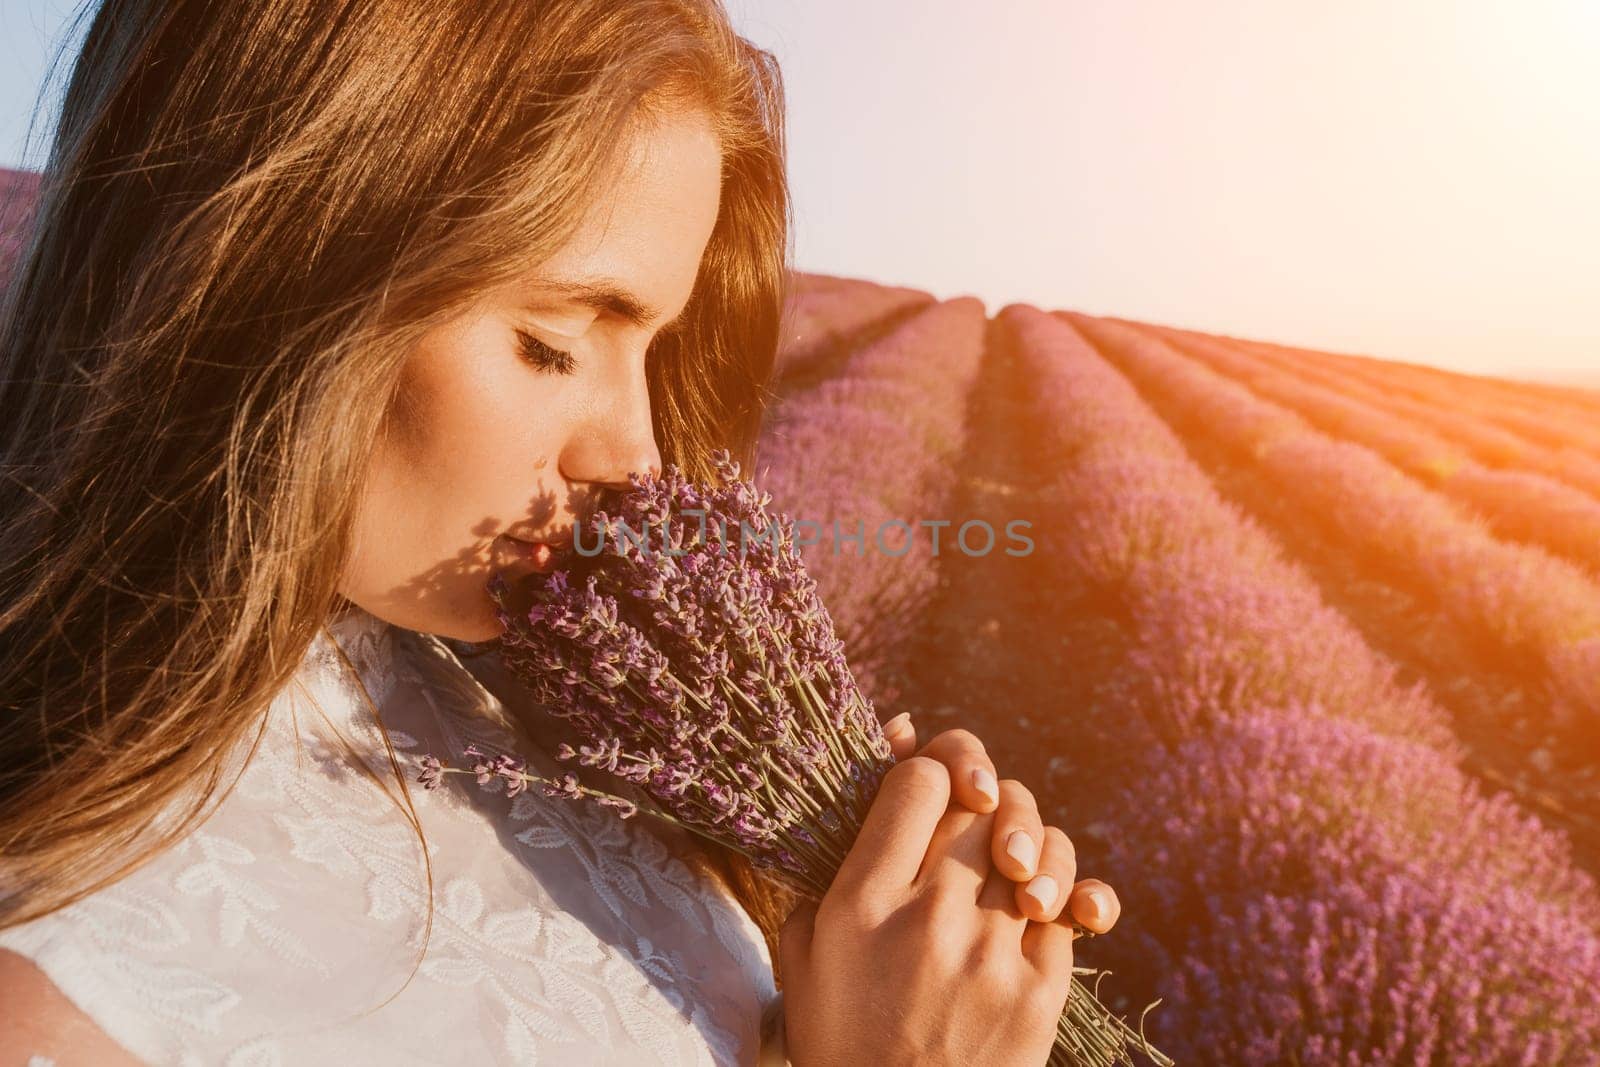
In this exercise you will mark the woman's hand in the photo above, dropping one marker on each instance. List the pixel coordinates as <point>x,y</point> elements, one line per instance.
<point>1040,873</point>
<point>917,953</point>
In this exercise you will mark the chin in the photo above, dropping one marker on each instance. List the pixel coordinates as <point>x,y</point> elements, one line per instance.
<point>471,621</point>
<point>458,613</point>
<point>475,626</point>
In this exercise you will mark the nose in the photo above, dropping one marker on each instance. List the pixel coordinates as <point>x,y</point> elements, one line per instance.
<point>617,438</point>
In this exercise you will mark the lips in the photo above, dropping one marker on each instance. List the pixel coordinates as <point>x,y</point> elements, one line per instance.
<point>536,556</point>
<point>554,536</point>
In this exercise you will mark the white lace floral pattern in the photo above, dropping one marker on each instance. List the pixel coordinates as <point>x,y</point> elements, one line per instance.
<point>283,929</point>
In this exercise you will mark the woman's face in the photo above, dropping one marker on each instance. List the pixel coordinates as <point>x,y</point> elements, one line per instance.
<point>497,437</point>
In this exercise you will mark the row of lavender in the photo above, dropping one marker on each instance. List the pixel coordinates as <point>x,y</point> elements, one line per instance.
<point>1557,417</point>
<point>1519,505</point>
<point>1540,612</point>
<point>1471,418</point>
<point>1307,876</point>
<point>823,316</point>
<point>862,458</point>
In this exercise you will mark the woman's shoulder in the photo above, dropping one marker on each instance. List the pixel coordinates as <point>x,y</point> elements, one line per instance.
<point>43,1024</point>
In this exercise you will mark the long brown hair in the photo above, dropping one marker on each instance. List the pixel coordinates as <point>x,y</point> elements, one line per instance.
<point>249,212</point>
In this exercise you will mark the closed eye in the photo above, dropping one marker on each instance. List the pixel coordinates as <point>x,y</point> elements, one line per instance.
<point>542,355</point>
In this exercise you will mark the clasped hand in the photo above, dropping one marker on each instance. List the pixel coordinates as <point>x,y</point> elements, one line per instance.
<point>946,936</point>
<point>1039,858</point>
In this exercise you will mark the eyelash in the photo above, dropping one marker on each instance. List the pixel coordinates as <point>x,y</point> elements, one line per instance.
<point>543,356</point>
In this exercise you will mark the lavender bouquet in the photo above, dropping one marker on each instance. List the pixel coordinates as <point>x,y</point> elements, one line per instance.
<point>702,667</point>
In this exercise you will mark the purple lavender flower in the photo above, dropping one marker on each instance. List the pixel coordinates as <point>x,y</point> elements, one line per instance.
<point>565,786</point>
<point>626,808</point>
<point>510,768</point>
<point>482,765</point>
<point>432,772</point>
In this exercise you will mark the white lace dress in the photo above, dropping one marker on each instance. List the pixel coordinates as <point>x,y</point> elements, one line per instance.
<point>562,934</point>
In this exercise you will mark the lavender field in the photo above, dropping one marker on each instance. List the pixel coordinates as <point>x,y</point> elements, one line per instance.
<point>1304,653</point>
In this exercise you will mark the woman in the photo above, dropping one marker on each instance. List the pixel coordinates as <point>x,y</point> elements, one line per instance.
<point>331,309</point>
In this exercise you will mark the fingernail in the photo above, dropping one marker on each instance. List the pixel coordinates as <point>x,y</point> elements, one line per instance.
<point>897,724</point>
<point>1099,904</point>
<point>1020,846</point>
<point>985,783</point>
<point>1044,890</point>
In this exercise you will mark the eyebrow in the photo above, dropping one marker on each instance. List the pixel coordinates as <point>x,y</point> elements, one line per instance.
<point>604,294</point>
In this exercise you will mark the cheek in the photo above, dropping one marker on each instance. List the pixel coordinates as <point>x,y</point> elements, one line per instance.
<point>453,421</point>
<point>468,455</point>
<point>472,452</point>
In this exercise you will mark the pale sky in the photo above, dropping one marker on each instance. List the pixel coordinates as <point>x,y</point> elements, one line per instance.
<point>1409,179</point>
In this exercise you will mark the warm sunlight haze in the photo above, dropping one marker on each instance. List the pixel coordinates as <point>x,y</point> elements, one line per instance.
<point>1410,181</point>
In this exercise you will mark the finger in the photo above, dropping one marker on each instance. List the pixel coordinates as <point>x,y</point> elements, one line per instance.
<point>902,736</point>
<point>1044,897</point>
<point>889,850</point>
<point>794,938</point>
<point>999,896</point>
<point>997,900</point>
<point>1048,946</point>
<point>972,780</point>
<point>958,854</point>
<point>1018,832</point>
<point>1095,904</point>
